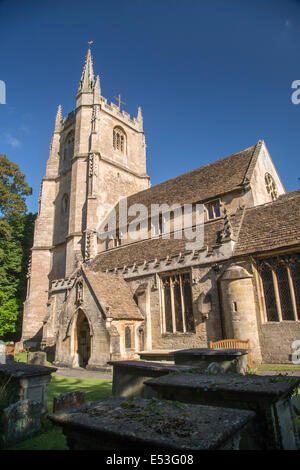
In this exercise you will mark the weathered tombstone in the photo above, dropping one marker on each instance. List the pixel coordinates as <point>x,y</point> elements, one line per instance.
<point>230,360</point>
<point>68,400</point>
<point>19,346</point>
<point>2,352</point>
<point>20,420</point>
<point>129,376</point>
<point>268,396</point>
<point>38,358</point>
<point>26,382</point>
<point>120,424</point>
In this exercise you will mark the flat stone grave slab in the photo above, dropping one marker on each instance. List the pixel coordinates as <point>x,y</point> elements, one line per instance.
<point>151,424</point>
<point>230,360</point>
<point>26,382</point>
<point>129,376</point>
<point>268,396</point>
<point>158,355</point>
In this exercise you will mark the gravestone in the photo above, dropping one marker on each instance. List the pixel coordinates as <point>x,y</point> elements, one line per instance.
<point>26,382</point>
<point>229,360</point>
<point>2,352</point>
<point>68,400</point>
<point>137,424</point>
<point>38,358</point>
<point>268,396</point>
<point>129,376</point>
<point>20,420</point>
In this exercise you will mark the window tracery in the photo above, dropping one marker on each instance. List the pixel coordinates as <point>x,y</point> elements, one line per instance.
<point>271,186</point>
<point>119,140</point>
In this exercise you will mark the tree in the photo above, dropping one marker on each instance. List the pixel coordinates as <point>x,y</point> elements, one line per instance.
<point>13,190</point>
<point>16,234</point>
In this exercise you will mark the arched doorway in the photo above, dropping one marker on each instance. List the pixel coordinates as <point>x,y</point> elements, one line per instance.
<point>83,339</point>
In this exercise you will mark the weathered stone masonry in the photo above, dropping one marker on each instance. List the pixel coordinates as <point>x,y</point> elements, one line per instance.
<point>94,301</point>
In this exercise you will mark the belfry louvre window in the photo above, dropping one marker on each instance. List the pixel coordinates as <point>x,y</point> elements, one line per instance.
<point>281,287</point>
<point>177,303</point>
<point>119,140</point>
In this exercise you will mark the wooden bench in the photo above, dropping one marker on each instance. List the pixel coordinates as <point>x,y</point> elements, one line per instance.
<point>234,344</point>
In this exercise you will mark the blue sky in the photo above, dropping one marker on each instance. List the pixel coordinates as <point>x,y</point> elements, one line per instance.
<point>212,77</point>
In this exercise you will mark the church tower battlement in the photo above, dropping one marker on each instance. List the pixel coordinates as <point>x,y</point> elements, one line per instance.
<point>97,156</point>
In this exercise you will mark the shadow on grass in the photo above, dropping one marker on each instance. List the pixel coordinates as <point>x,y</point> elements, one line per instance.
<point>50,437</point>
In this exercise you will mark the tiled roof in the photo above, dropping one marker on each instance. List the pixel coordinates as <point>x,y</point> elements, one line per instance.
<point>204,183</point>
<point>151,249</point>
<point>270,226</point>
<point>113,291</point>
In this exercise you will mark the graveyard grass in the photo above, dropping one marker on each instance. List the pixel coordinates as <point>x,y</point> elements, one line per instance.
<point>50,437</point>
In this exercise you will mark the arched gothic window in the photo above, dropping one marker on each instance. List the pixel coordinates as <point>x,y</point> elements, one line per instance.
<point>68,151</point>
<point>128,342</point>
<point>65,204</point>
<point>280,282</point>
<point>119,140</point>
<point>271,186</point>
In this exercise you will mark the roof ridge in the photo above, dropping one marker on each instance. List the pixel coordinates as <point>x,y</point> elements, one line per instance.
<point>280,199</point>
<point>253,161</point>
<point>195,169</point>
<point>237,235</point>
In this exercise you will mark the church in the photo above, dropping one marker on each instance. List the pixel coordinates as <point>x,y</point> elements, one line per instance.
<point>93,299</point>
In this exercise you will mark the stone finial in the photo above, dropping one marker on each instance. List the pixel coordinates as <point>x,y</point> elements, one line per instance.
<point>87,81</point>
<point>226,233</point>
<point>58,120</point>
<point>139,118</point>
<point>97,91</point>
<point>139,114</point>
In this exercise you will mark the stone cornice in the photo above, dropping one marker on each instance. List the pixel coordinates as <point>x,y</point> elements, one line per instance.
<point>42,248</point>
<point>62,284</point>
<point>112,110</point>
<point>74,234</point>
<point>124,168</point>
<point>204,256</point>
<point>58,177</point>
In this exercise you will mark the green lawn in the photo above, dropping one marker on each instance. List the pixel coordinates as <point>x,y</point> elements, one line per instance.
<point>50,437</point>
<point>22,357</point>
<point>279,367</point>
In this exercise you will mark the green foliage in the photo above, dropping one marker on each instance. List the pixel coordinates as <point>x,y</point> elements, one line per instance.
<point>16,234</point>
<point>13,189</point>
<point>9,314</point>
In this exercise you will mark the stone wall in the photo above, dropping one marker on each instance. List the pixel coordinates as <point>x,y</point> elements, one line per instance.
<point>276,341</point>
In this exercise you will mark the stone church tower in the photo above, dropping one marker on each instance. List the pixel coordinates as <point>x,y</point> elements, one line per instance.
<point>97,155</point>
